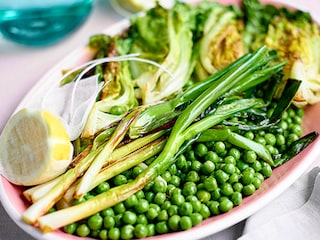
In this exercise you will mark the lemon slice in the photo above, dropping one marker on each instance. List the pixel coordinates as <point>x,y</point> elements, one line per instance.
<point>34,147</point>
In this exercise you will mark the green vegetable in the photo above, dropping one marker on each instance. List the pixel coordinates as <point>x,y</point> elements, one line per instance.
<point>183,129</point>
<point>172,48</point>
<point>294,36</point>
<point>221,42</point>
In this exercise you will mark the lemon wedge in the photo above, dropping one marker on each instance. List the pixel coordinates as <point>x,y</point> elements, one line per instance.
<point>34,147</point>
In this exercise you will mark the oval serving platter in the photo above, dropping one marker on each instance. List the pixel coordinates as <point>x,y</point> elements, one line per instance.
<point>282,177</point>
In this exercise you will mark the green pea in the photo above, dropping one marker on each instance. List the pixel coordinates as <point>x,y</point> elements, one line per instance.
<point>205,211</point>
<point>257,183</point>
<point>203,196</point>
<point>237,187</point>
<point>230,160</point>
<point>95,222</point>
<point>177,199</point>
<point>176,191</point>
<point>142,219</point>
<point>173,169</point>
<point>234,178</point>
<point>212,156</point>
<point>103,234</point>
<point>281,140</point>
<point>118,220</point>
<point>136,171</point>
<point>236,198</point>
<point>250,156</point>
<point>201,150</point>
<point>166,176</point>
<point>162,227</point>
<point>155,206</point>
<point>87,196</point>
<point>192,176</point>
<point>235,153</point>
<point>219,147</point>
<point>140,231</point>
<point>196,205</point>
<point>266,170</point>
<point>210,183</point>
<point>166,205</point>
<point>170,189</point>
<point>149,196</point>
<point>226,189</point>
<point>114,233</point>
<point>247,177</point>
<point>190,155</point>
<point>160,198</point>
<point>214,207</point>
<point>196,218</point>
<point>241,165</point>
<point>189,188</point>
<point>102,187</point>
<point>196,165</point>
<point>70,228</point>
<point>83,230</point>
<point>259,175</point>
<point>159,186</point>
<point>151,229</point>
<point>216,194</point>
<point>185,223</point>
<point>140,194</point>
<point>283,124</point>
<point>207,167</point>
<point>126,232</point>
<point>260,139</point>
<point>142,206</point>
<point>119,208</point>
<point>173,210</point>
<point>78,201</point>
<point>107,212</point>
<point>117,110</point>
<point>120,179</point>
<point>249,135</point>
<point>270,139</point>
<point>108,222</point>
<point>131,201</point>
<point>181,162</point>
<point>256,165</point>
<point>248,189</point>
<point>229,168</point>
<point>163,215</point>
<point>221,176</point>
<point>129,217</point>
<point>175,180</point>
<point>174,222</point>
<point>186,209</point>
<point>225,205</point>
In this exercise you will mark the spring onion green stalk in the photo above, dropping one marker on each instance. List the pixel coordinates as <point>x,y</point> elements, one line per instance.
<point>120,165</point>
<point>183,129</point>
<point>106,152</point>
<point>159,114</point>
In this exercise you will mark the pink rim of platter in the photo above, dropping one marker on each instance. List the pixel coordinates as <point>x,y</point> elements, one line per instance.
<point>282,177</point>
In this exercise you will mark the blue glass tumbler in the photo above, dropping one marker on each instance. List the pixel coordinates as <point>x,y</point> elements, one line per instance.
<point>41,22</point>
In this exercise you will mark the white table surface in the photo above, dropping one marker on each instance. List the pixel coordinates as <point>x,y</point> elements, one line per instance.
<point>21,67</point>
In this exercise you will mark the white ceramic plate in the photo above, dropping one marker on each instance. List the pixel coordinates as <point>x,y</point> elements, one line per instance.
<point>14,203</point>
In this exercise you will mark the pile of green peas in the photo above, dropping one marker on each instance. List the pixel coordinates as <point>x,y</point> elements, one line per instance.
<point>208,179</point>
